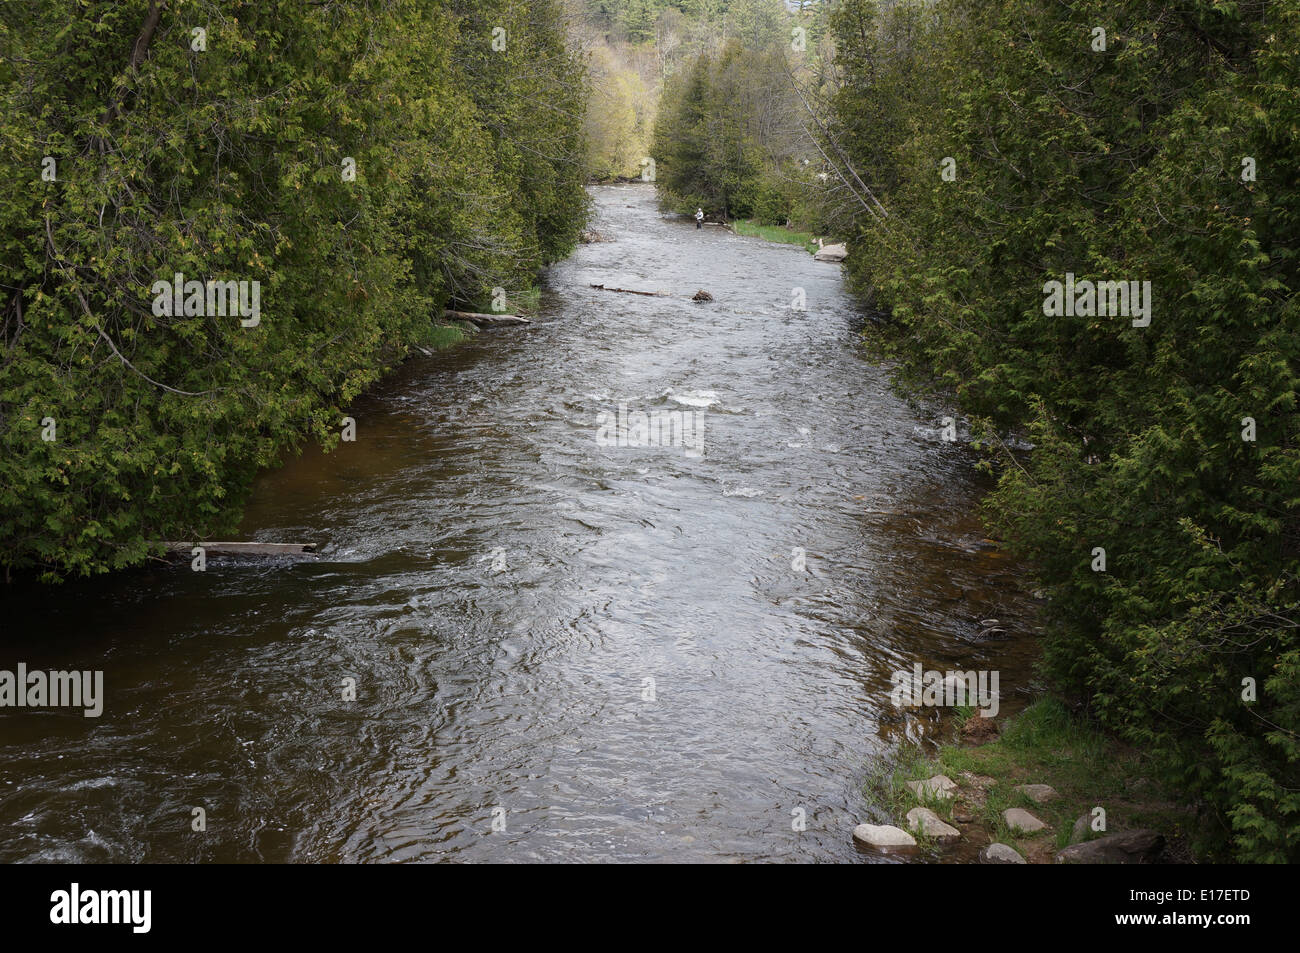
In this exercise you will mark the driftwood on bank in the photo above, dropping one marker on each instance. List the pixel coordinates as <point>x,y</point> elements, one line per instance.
<point>487,320</point>
<point>246,549</point>
<point>629,291</point>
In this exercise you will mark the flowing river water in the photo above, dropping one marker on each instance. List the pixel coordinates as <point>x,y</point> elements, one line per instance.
<point>562,650</point>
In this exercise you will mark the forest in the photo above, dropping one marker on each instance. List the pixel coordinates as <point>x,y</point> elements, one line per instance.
<point>991,149</point>
<point>360,165</point>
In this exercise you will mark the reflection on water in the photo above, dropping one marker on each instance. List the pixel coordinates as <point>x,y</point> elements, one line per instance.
<point>508,596</point>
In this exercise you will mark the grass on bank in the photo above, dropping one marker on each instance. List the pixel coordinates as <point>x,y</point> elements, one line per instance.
<point>775,233</point>
<point>440,336</point>
<point>1044,744</point>
<point>524,301</point>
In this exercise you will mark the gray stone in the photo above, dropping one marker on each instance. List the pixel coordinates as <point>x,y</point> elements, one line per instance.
<point>1128,847</point>
<point>1000,854</point>
<point>1021,821</point>
<point>883,836</point>
<point>1082,828</point>
<point>935,788</point>
<point>924,821</point>
<point>1038,793</point>
<point>832,252</point>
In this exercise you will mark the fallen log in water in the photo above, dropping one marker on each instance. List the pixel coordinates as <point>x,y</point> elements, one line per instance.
<point>629,291</point>
<point>487,320</point>
<point>246,549</point>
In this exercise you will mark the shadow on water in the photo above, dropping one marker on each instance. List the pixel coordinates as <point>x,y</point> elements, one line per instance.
<point>506,592</point>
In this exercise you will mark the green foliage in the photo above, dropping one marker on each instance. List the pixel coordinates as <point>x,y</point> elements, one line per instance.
<point>1118,164</point>
<point>723,137</point>
<point>226,164</point>
<point>620,116</point>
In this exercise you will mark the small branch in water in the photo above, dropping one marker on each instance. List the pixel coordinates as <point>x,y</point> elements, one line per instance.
<point>245,549</point>
<point>629,291</point>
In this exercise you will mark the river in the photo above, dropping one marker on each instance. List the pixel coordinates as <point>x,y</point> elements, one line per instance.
<point>562,651</point>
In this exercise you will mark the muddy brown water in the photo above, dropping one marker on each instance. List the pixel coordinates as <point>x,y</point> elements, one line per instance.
<point>502,587</point>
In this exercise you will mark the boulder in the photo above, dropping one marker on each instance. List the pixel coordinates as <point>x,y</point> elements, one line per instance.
<point>1021,821</point>
<point>832,253</point>
<point>935,788</point>
<point>1082,828</point>
<point>924,821</point>
<point>702,296</point>
<point>1038,793</point>
<point>1128,847</point>
<point>1000,854</point>
<point>883,836</point>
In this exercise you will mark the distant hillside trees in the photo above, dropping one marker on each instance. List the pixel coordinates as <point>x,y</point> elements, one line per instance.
<point>729,137</point>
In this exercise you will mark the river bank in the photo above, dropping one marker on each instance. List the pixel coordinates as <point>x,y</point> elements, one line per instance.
<point>994,782</point>
<point>776,233</point>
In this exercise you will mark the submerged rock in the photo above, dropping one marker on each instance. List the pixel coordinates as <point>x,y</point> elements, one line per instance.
<point>883,836</point>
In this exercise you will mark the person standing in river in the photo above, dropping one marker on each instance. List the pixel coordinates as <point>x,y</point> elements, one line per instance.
<point>699,217</point>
